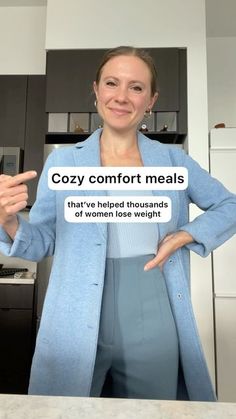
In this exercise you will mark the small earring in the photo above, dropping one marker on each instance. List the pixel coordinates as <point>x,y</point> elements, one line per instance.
<point>148,113</point>
<point>95,103</point>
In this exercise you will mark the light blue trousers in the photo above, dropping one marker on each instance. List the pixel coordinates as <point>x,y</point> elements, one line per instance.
<point>138,343</point>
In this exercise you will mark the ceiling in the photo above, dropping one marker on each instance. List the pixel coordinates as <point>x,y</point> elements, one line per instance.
<point>19,3</point>
<point>220,15</point>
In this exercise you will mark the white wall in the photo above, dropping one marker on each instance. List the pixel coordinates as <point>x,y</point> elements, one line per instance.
<point>22,40</point>
<point>221,70</point>
<point>153,23</point>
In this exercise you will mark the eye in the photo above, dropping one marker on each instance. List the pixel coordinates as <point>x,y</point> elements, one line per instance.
<point>110,83</point>
<point>137,88</point>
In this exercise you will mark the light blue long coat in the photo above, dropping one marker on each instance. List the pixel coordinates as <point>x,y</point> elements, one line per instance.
<point>67,340</point>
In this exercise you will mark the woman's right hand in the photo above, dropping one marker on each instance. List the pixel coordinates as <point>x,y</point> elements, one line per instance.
<point>13,198</point>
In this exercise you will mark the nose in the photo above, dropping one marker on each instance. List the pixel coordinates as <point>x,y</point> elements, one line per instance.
<point>121,94</point>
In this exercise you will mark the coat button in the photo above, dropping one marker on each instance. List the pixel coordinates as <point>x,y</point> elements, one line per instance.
<point>179,295</point>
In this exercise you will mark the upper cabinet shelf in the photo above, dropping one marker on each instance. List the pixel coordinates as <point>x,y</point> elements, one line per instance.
<point>73,138</point>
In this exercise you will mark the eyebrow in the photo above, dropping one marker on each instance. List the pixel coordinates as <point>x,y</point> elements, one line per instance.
<point>131,81</point>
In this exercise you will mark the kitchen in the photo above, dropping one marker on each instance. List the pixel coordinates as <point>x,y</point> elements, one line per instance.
<point>40,31</point>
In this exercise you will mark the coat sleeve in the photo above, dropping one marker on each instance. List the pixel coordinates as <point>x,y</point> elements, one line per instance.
<point>35,239</point>
<point>218,221</point>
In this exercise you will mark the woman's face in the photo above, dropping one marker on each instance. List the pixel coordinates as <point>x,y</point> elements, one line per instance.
<point>124,92</point>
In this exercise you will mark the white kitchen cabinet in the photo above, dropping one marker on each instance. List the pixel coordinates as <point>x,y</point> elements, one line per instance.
<point>224,268</point>
<point>225,318</point>
<point>223,167</point>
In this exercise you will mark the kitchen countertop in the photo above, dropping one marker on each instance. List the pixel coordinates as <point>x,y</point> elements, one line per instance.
<point>44,407</point>
<point>16,281</point>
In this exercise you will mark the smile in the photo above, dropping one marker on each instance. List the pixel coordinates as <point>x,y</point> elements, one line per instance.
<point>119,111</point>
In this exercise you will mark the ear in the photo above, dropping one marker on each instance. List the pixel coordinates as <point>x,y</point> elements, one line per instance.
<point>95,88</point>
<point>153,100</point>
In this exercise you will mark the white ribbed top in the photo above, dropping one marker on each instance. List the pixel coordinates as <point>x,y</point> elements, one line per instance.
<point>131,239</point>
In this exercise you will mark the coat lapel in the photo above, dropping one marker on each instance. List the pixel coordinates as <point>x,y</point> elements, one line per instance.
<point>87,154</point>
<point>154,154</point>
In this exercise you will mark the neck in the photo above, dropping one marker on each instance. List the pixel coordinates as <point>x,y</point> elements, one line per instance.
<point>118,143</point>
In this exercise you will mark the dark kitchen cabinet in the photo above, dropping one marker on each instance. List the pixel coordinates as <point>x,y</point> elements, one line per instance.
<point>36,127</point>
<point>70,76</point>
<point>13,93</point>
<point>17,331</point>
<point>167,65</point>
<point>182,115</point>
<point>23,120</point>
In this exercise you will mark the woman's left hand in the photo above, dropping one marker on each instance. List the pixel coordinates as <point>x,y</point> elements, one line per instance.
<point>167,246</point>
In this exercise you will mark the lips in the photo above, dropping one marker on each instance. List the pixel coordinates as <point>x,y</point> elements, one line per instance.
<point>119,111</point>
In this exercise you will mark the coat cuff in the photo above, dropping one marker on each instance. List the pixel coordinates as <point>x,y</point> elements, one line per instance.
<point>22,239</point>
<point>199,246</point>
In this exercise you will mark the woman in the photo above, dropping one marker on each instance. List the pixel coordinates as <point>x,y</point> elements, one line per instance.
<point>115,304</point>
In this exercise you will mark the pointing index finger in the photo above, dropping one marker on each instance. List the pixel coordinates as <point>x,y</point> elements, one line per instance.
<point>21,178</point>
